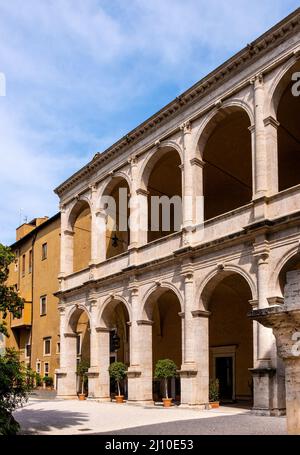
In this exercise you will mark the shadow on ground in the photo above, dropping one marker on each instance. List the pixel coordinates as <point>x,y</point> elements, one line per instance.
<point>35,421</point>
<point>245,424</point>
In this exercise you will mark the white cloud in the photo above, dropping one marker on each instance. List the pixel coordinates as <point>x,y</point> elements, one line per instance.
<point>80,73</point>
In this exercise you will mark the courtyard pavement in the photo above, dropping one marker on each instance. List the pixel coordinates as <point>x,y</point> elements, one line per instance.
<point>47,415</point>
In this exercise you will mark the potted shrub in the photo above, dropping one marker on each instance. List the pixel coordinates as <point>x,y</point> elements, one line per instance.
<point>38,380</point>
<point>48,381</point>
<point>214,393</point>
<point>82,369</point>
<point>165,369</point>
<point>117,371</point>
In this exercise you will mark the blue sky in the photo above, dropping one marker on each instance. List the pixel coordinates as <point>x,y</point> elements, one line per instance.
<point>82,73</point>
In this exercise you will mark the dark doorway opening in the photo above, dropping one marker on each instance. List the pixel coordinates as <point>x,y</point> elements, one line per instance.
<point>224,373</point>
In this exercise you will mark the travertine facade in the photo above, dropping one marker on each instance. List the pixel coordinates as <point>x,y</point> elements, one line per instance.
<point>231,141</point>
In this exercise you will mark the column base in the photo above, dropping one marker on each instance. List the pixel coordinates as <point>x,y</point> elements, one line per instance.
<point>139,386</point>
<point>194,388</point>
<point>263,391</point>
<point>98,390</point>
<point>66,384</point>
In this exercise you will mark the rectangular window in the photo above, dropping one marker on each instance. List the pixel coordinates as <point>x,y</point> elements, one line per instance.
<point>23,264</point>
<point>30,262</point>
<point>46,369</point>
<point>38,367</point>
<point>27,350</point>
<point>47,346</point>
<point>58,347</point>
<point>44,251</point>
<point>43,305</point>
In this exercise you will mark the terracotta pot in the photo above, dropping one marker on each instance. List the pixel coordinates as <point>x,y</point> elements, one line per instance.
<point>119,398</point>
<point>214,404</point>
<point>167,402</point>
<point>81,396</point>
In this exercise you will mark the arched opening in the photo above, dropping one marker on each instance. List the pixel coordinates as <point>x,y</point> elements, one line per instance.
<point>226,150</point>
<point>81,225</point>
<point>163,308</point>
<point>80,327</point>
<point>117,209</point>
<point>163,181</point>
<point>230,336</point>
<point>288,113</point>
<point>116,319</point>
<point>289,277</point>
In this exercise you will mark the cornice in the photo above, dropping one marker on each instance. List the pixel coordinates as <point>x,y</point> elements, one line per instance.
<point>253,50</point>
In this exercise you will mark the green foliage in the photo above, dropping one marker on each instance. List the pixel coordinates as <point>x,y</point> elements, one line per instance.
<point>10,301</point>
<point>15,384</point>
<point>82,368</point>
<point>48,380</point>
<point>38,379</point>
<point>214,390</point>
<point>165,369</point>
<point>117,371</point>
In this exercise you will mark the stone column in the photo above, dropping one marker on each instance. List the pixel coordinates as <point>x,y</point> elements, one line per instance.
<point>98,381</point>
<point>187,182</point>
<point>271,127</point>
<point>194,373</point>
<point>264,371</point>
<point>140,371</point>
<point>66,374</point>
<point>100,355</point>
<point>66,245</point>
<point>98,236</point>
<point>260,180</point>
<point>138,221</point>
<point>285,322</point>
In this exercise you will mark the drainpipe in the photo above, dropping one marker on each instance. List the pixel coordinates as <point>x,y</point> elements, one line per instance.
<point>32,291</point>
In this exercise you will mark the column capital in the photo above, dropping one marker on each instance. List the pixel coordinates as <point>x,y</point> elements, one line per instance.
<point>197,162</point>
<point>257,79</point>
<point>261,251</point>
<point>186,127</point>
<point>201,313</point>
<point>134,291</point>
<point>68,232</point>
<point>142,192</point>
<point>285,322</point>
<point>132,160</point>
<point>144,322</point>
<point>271,121</point>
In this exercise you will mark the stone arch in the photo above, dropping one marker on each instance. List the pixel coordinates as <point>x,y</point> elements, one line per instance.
<point>279,84</point>
<point>108,305</point>
<point>109,184</point>
<point>225,148</point>
<point>225,296</point>
<point>80,228</point>
<point>278,278</point>
<point>216,276</point>
<point>76,208</point>
<point>285,108</point>
<point>212,119</point>
<point>153,157</point>
<point>72,316</point>
<point>113,200</point>
<point>155,291</point>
